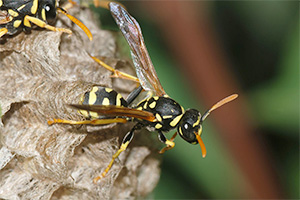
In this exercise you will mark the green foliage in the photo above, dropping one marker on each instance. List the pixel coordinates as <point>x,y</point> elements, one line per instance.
<point>277,101</point>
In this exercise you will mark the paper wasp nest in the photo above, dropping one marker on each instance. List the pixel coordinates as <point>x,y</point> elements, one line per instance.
<point>41,72</point>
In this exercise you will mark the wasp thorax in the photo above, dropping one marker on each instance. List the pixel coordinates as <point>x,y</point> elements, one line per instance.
<point>189,125</point>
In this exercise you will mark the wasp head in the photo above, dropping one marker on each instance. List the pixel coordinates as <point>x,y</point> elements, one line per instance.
<point>190,129</point>
<point>48,10</point>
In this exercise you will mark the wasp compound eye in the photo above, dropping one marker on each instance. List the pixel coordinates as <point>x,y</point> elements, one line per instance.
<point>50,12</point>
<point>189,125</point>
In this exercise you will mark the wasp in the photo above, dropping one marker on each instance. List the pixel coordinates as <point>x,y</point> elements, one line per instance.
<point>19,15</point>
<point>157,111</point>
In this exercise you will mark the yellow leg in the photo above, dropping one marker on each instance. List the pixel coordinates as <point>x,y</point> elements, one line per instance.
<point>91,122</point>
<point>78,23</point>
<point>3,31</point>
<point>42,24</point>
<point>116,73</point>
<point>170,144</point>
<point>123,147</point>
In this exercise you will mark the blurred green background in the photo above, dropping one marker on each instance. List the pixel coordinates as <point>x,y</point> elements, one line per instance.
<point>260,40</point>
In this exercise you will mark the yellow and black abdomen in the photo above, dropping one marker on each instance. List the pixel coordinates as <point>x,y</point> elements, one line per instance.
<point>101,96</point>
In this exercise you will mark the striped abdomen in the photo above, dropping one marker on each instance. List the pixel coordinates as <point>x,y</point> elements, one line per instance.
<point>101,96</point>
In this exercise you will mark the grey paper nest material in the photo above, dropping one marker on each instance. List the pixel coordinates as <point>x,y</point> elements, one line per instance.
<point>41,72</point>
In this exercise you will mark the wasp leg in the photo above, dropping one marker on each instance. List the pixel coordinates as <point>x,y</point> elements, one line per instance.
<point>42,24</point>
<point>3,31</point>
<point>170,144</point>
<point>116,73</point>
<point>91,122</point>
<point>128,137</point>
<point>77,22</point>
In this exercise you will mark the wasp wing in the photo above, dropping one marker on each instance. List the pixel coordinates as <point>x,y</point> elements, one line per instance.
<point>141,59</point>
<point>113,111</point>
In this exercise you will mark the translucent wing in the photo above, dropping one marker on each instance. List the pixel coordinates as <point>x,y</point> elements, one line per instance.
<point>142,62</point>
<point>113,111</point>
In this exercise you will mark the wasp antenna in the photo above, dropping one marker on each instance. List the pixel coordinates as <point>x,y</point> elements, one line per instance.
<point>219,104</point>
<point>77,22</point>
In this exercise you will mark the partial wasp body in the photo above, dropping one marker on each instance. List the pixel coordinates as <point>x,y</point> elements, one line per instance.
<point>158,112</point>
<point>101,96</point>
<point>19,15</point>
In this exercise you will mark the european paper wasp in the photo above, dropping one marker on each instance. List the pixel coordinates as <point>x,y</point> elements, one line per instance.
<point>19,15</point>
<point>158,111</point>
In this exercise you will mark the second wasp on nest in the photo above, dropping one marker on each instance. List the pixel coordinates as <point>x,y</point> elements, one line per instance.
<point>16,16</point>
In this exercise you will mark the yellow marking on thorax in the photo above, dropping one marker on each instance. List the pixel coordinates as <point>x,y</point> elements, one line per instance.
<point>152,105</point>
<point>13,13</point>
<point>1,3</point>
<point>146,102</point>
<point>175,121</point>
<point>155,98</point>
<point>158,117</point>
<point>167,116</point>
<point>17,23</point>
<point>158,126</point>
<point>34,6</point>
<point>21,7</point>
<point>145,105</point>
<point>44,14</point>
